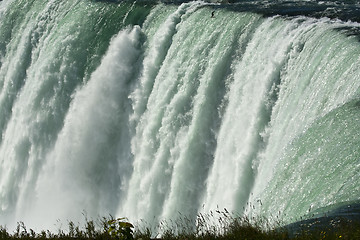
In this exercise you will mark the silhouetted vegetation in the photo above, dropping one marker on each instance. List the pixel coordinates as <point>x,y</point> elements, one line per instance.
<point>215,225</point>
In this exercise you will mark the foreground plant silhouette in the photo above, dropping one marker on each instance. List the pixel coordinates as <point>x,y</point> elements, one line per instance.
<point>120,229</point>
<point>216,225</point>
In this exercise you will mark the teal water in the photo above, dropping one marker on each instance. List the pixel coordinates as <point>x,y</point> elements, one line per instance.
<point>147,109</point>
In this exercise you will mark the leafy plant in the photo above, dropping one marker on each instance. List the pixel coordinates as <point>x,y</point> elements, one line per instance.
<point>120,229</point>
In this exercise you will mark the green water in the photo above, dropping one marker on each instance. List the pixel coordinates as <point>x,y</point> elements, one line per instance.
<point>146,110</point>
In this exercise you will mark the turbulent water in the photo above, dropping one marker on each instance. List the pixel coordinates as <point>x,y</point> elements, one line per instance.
<point>147,110</point>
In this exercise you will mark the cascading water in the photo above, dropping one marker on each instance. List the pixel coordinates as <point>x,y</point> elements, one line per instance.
<point>146,110</point>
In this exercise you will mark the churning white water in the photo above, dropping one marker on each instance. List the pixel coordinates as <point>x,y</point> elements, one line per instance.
<point>147,111</point>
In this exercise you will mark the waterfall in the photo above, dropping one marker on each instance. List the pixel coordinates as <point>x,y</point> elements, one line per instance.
<point>147,110</point>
